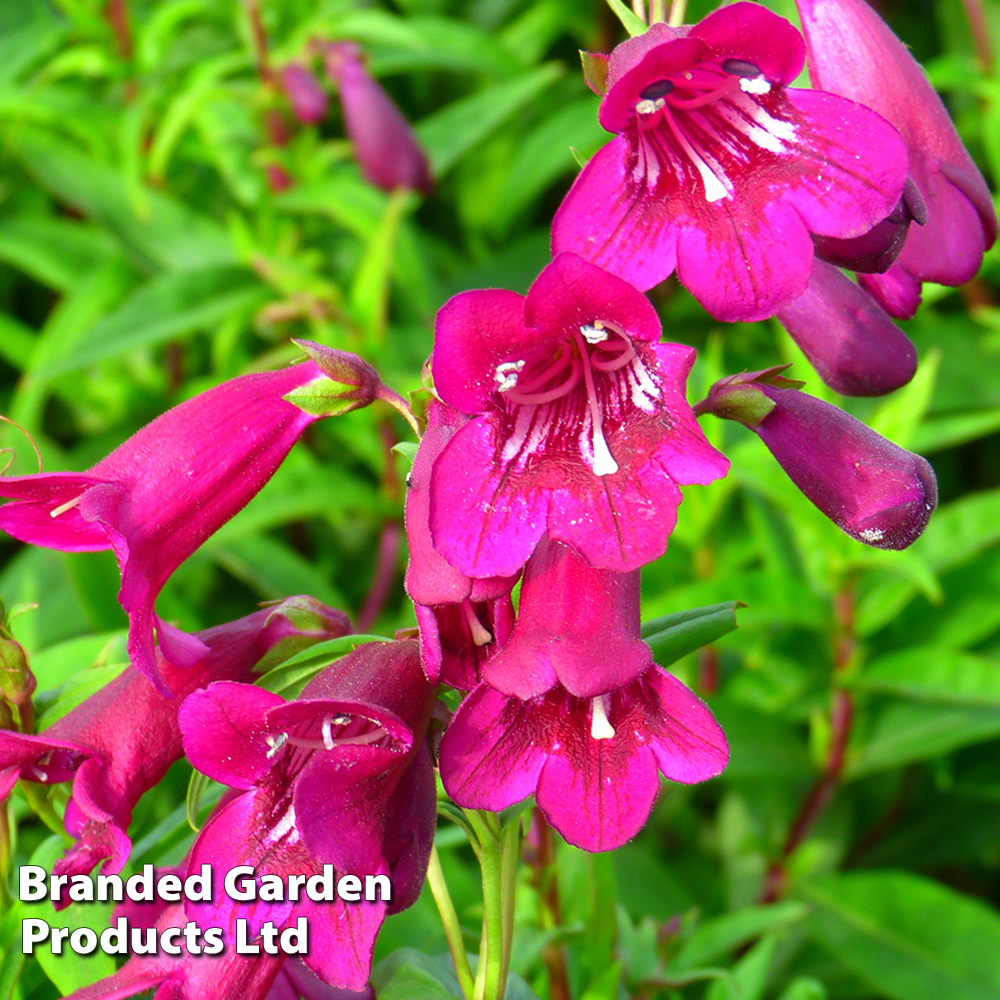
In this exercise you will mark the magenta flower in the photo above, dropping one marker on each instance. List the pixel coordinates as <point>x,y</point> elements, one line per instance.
<point>872,489</point>
<point>156,498</point>
<point>591,763</point>
<point>462,621</point>
<point>848,338</point>
<point>226,976</point>
<point>386,149</point>
<point>853,52</point>
<point>581,428</point>
<point>723,171</point>
<point>340,776</point>
<point>305,93</point>
<point>577,627</point>
<point>120,741</point>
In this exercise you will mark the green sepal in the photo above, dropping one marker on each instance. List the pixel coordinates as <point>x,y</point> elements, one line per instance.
<point>322,397</point>
<point>595,71</point>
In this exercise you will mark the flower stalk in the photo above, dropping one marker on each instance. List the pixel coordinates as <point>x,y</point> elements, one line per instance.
<point>450,923</point>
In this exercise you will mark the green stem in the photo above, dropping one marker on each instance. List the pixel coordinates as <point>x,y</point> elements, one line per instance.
<point>657,11</point>
<point>491,973</point>
<point>677,10</point>
<point>452,928</point>
<point>510,853</point>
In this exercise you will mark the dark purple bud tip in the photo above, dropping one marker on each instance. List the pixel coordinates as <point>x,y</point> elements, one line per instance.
<point>875,491</point>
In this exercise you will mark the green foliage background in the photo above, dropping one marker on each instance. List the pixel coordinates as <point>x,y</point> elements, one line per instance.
<point>143,258</point>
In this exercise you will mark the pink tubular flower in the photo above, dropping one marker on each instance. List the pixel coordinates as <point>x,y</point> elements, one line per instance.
<point>853,52</point>
<point>462,621</point>
<point>723,171</point>
<point>386,149</point>
<point>847,337</point>
<point>591,763</point>
<point>156,498</point>
<point>226,976</point>
<point>581,428</point>
<point>577,627</point>
<point>341,776</point>
<point>306,95</point>
<point>872,489</point>
<point>120,741</point>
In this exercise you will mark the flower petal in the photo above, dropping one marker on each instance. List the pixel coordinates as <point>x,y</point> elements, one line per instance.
<point>607,222</point>
<point>493,750</point>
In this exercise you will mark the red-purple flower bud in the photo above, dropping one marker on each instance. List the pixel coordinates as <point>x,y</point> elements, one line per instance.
<point>305,93</point>
<point>848,338</point>
<point>386,148</point>
<point>852,52</point>
<point>872,489</point>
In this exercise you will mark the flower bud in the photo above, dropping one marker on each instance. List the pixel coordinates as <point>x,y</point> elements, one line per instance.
<point>386,149</point>
<point>305,93</point>
<point>847,337</point>
<point>875,491</point>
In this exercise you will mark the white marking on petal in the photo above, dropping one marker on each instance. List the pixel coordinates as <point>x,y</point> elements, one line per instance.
<point>604,463</point>
<point>755,132</point>
<point>600,728</point>
<point>283,826</point>
<point>785,131</point>
<point>644,390</point>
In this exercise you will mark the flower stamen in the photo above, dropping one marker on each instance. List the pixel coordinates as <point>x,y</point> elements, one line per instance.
<point>600,727</point>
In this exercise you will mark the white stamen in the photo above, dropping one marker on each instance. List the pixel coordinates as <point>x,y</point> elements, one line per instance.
<point>600,728</point>
<point>328,732</point>
<point>650,107</point>
<point>275,743</point>
<point>62,508</point>
<point>506,374</point>
<point>755,85</point>
<point>594,333</point>
<point>604,462</point>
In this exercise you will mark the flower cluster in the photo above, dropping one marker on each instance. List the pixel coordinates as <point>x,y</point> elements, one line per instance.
<point>557,439</point>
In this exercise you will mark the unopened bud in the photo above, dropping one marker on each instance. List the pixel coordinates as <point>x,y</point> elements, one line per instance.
<point>875,491</point>
<point>348,382</point>
<point>848,338</point>
<point>305,93</point>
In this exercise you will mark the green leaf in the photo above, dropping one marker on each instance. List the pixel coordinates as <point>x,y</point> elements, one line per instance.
<point>168,233</point>
<point>449,134</point>
<point>804,988</point>
<point>750,974</point>
<point>952,429</point>
<point>293,674</point>
<point>52,250</point>
<point>906,936</point>
<point>408,974</point>
<point>931,673</point>
<point>713,939</point>
<point>906,732</point>
<point>168,306</point>
<point>192,803</point>
<point>630,22</point>
<point>674,636</point>
<point>898,417</point>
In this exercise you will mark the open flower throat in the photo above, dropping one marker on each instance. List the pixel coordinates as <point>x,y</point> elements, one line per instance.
<point>702,126</point>
<point>563,399</point>
<point>329,731</point>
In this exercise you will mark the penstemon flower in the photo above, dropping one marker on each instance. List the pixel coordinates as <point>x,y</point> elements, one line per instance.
<point>591,763</point>
<point>341,776</point>
<point>581,430</point>
<point>157,497</point>
<point>724,172</point>
<point>120,742</point>
<point>462,621</point>
<point>853,52</point>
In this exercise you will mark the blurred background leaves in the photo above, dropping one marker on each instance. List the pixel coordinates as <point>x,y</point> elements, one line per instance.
<point>166,224</point>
